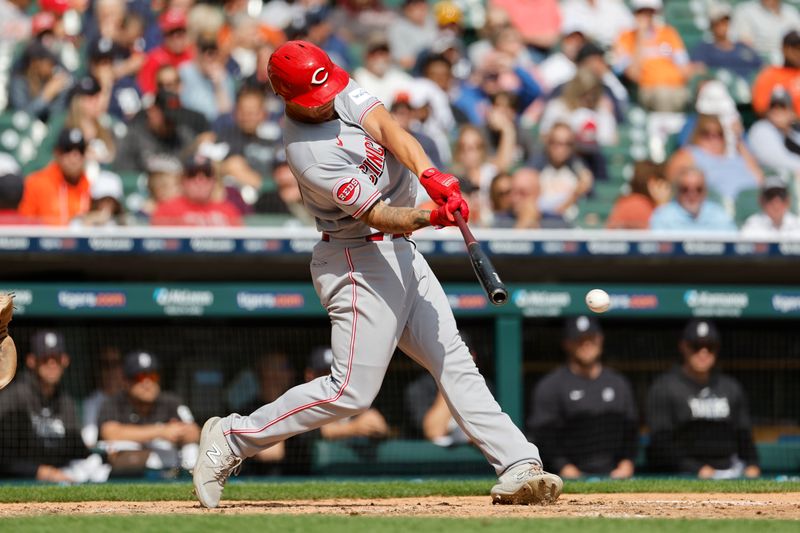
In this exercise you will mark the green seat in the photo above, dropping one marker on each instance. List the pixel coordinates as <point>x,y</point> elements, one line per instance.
<point>746,205</point>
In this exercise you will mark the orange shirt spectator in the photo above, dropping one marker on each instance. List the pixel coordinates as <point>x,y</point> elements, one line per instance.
<point>662,53</point>
<point>196,206</point>
<point>60,191</point>
<point>788,76</point>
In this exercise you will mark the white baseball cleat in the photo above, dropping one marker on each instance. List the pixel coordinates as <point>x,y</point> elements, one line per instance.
<point>215,464</point>
<point>527,484</point>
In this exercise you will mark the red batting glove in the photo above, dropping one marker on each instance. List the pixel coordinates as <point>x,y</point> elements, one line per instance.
<point>443,215</point>
<point>439,186</point>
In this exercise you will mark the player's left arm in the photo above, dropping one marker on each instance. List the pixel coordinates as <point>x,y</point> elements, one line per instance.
<point>383,128</point>
<point>388,219</point>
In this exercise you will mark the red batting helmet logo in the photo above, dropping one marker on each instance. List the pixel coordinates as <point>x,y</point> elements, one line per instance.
<point>346,191</point>
<point>302,73</point>
<point>316,79</point>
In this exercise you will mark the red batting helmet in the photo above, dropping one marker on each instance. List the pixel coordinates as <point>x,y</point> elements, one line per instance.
<point>302,73</point>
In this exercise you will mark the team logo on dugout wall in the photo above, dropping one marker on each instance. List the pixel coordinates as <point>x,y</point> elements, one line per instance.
<point>347,191</point>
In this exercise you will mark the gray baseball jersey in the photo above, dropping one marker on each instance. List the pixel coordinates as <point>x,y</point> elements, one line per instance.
<point>379,295</point>
<point>341,170</point>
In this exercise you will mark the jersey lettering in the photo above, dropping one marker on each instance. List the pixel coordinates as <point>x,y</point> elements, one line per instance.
<point>347,191</point>
<point>375,161</point>
<point>710,408</point>
<point>359,96</point>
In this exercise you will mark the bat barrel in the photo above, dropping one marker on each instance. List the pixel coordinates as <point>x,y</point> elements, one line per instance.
<point>499,295</point>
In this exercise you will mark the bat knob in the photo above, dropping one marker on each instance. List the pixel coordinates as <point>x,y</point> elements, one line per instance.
<point>499,296</point>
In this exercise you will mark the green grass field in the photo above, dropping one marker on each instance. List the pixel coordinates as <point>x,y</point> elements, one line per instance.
<point>310,490</point>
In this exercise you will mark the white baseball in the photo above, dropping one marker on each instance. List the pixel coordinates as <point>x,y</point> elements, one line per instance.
<point>597,300</point>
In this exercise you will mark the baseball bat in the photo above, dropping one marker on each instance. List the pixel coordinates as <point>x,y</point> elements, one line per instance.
<point>487,275</point>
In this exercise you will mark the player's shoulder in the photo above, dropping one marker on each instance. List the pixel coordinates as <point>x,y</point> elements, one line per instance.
<point>612,375</point>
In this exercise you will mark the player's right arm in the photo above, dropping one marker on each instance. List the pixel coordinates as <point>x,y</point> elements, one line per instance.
<point>387,219</point>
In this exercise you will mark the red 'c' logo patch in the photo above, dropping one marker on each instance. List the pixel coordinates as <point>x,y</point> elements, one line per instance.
<point>347,191</point>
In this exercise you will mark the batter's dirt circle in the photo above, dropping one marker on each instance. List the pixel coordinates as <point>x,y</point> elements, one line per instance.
<point>782,506</point>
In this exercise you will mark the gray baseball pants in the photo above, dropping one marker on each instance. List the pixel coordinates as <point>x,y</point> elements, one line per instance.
<point>382,295</point>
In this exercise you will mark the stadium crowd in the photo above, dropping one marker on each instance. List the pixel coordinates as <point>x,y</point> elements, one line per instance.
<point>668,115</point>
<point>583,415</point>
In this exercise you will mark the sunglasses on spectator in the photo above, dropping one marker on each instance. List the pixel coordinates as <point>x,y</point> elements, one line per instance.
<point>699,345</point>
<point>142,376</point>
<point>70,149</point>
<point>683,189</point>
<point>712,134</point>
<point>176,32</point>
<point>560,142</point>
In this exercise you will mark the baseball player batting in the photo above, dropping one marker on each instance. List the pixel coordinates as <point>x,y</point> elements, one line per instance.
<point>357,168</point>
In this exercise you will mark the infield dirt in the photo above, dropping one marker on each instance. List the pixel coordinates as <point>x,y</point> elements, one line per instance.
<point>785,506</point>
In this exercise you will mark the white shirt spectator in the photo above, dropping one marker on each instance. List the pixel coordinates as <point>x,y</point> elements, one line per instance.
<point>764,29</point>
<point>768,146</point>
<point>760,226</point>
<point>384,88</point>
<point>604,20</point>
<point>600,120</point>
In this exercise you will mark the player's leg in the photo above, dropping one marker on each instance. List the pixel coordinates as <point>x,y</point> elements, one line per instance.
<point>431,337</point>
<point>357,286</point>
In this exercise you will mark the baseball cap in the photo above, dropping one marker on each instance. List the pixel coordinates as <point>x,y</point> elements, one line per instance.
<point>780,97</point>
<point>172,19</point>
<point>86,86</point>
<point>578,326</point>
<point>101,49</point>
<point>140,361</point>
<point>447,12</point>
<point>59,7</point>
<point>302,73</point>
<point>197,164</point>
<point>321,358</point>
<point>317,16</point>
<point>714,99</point>
<point>792,38</point>
<point>107,184</point>
<point>377,42</point>
<point>588,50</point>
<point>773,185</point>
<point>42,21</point>
<point>573,25</point>
<point>12,183</point>
<point>637,5</point>
<point>47,342</point>
<point>70,139</point>
<point>701,331</point>
<point>718,11</point>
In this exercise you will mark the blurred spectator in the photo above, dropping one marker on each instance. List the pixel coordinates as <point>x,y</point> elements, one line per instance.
<point>538,21</point>
<point>583,415</point>
<point>369,423</point>
<point>496,74</point>
<point>502,214</point>
<point>428,411</point>
<point>39,425</point>
<point>698,417</point>
<point>768,136</point>
<point>109,381</point>
<point>39,84</point>
<point>15,23</point>
<point>473,163</point>
<point>243,35</point>
<point>652,56</point>
<point>650,189</point>
<point>774,220</point>
<point>356,20</point>
<point>204,21</point>
<point>163,182</point>
<point>691,210</point>
<point>286,198</point>
<point>118,93</point>
<point>725,174</point>
<point>175,50</point>
<point>405,115</point>
<point>559,67</point>
<point>762,23</point>
<point>785,75</point>
<point>431,104</point>
<point>714,99</point>
<point>207,87</point>
<point>106,209</point>
<point>413,32</point>
<point>155,421</point>
<point>379,76</point>
<point>60,191</point>
<point>196,205</point>
<point>496,21</point>
<point>164,128</point>
<point>584,105</point>
<point>252,142</point>
<point>563,178</point>
<point>722,52</point>
<point>87,112</point>
<point>64,46</point>
<point>514,200</point>
<point>259,78</point>
<point>604,20</point>
<point>11,186</point>
<point>319,30</point>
